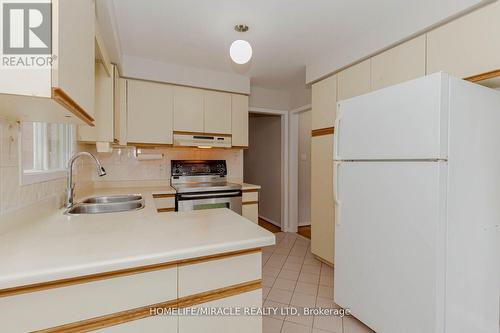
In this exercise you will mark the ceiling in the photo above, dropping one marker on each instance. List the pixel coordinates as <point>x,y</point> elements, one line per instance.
<point>285,34</point>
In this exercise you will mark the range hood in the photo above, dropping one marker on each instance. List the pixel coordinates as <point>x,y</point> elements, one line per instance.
<point>202,140</point>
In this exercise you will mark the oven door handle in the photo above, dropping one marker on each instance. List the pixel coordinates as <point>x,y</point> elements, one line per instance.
<point>209,195</point>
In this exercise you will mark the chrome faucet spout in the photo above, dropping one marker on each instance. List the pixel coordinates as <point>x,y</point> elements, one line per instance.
<point>70,186</point>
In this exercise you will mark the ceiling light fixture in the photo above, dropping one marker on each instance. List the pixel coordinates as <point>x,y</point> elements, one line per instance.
<point>240,50</point>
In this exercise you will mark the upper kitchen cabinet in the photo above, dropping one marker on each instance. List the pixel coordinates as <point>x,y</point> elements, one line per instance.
<point>324,102</point>
<point>120,109</point>
<point>217,115</point>
<point>355,80</point>
<point>467,46</point>
<point>239,120</point>
<point>188,109</point>
<point>104,108</point>
<point>150,112</point>
<point>399,64</point>
<point>50,74</point>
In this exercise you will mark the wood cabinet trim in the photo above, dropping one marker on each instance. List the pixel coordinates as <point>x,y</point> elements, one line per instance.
<point>113,274</point>
<point>322,131</point>
<point>68,103</point>
<point>251,190</point>
<point>200,133</point>
<point>239,147</point>
<point>163,195</point>
<point>148,310</point>
<point>165,210</point>
<point>250,203</point>
<point>483,76</point>
<point>149,145</point>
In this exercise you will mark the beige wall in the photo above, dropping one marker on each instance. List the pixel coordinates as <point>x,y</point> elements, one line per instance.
<point>122,165</point>
<point>304,181</point>
<point>14,195</point>
<point>262,164</point>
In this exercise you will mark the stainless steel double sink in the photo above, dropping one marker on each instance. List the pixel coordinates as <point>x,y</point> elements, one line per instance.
<point>107,204</point>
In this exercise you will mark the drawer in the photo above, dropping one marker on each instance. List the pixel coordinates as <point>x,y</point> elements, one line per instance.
<point>216,324</point>
<point>57,306</point>
<point>165,202</point>
<point>214,274</point>
<point>156,324</point>
<point>250,196</point>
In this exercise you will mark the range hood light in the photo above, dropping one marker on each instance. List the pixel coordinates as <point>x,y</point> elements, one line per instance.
<point>204,147</point>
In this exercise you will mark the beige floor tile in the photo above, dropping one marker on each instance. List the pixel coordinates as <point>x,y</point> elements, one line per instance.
<point>284,284</point>
<point>268,280</point>
<point>312,262</point>
<point>328,323</point>
<point>325,292</point>
<point>306,288</point>
<point>295,259</point>
<point>308,278</point>
<point>289,327</point>
<point>265,292</point>
<point>271,271</point>
<point>303,300</point>
<point>317,330</point>
<point>292,266</point>
<point>301,319</point>
<point>290,275</point>
<point>313,269</point>
<point>282,250</point>
<point>326,303</point>
<point>271,325</point>
<point>326,281</point>
<point>352,325</point>
<point>280,296</point>
<point>272,304</point>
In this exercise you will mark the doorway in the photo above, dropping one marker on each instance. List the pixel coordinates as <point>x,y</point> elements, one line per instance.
<point>263,165</point>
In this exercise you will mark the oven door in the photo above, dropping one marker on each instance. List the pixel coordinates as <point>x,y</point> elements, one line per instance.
<point>208,200</point>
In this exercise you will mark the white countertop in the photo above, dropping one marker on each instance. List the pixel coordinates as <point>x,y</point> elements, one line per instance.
<point>246,187</point>
<point>57,246</point>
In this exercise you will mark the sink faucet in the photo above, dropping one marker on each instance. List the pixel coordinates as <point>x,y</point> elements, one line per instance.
<point>70,186</point>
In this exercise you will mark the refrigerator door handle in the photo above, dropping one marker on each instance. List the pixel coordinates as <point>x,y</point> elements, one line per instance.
<point>336,132</point>
<point>336,199</point>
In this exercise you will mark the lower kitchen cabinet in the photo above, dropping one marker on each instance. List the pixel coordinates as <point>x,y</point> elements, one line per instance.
<point>228,323</point>
<point>322,204</point>
<point>251,212</point>
<point>156,324</point>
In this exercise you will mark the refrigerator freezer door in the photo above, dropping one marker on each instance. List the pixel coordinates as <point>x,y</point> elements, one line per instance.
<point>405,121</point>
<point>389,244</point>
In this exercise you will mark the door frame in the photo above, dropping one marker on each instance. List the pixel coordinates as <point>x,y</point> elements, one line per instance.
<point>284,115</point>
<point>293,191</point>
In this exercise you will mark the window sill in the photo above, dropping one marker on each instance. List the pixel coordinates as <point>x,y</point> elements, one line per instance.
<point>33,177</point>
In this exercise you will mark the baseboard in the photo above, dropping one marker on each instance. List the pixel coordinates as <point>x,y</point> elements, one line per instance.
<point>270,221</point>
<point>305,224</point>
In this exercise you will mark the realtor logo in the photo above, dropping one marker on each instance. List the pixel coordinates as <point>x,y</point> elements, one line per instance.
<point>27,28</point>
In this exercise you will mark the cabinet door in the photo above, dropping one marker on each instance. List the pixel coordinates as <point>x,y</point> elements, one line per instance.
<point>104,105</point>
<point>217,107</point>
<point>188,109</point>
<point>467,46</point>
<point>149,116</point>
<point>324,102</point>
<point>217,324</point>
<point>251,212</point>
<point>322,205</point>
<point>74,45</point>
<point>355,80</point>
<point>120,110</point>
<point>399,64</point>
<point>156,324</point>
<point>239,120</point>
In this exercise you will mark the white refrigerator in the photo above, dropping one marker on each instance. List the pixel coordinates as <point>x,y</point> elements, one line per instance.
<point>417,196</point>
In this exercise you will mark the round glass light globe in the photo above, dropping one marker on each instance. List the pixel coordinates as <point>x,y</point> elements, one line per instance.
<point>240,51</point>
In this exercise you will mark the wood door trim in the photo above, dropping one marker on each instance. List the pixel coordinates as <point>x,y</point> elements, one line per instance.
<point>118,273</point>
<point>163,195</point>
<point>200,133</point>
<point>250,190</point>
<point>68,103</point>
<point>483,76</point>
<point>322,131</point>
<point>149,310</point>
<point>250,203</point>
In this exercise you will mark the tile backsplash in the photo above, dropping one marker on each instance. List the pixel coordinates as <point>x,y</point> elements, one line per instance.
<point>14,195</point>
<point>122,164</point>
